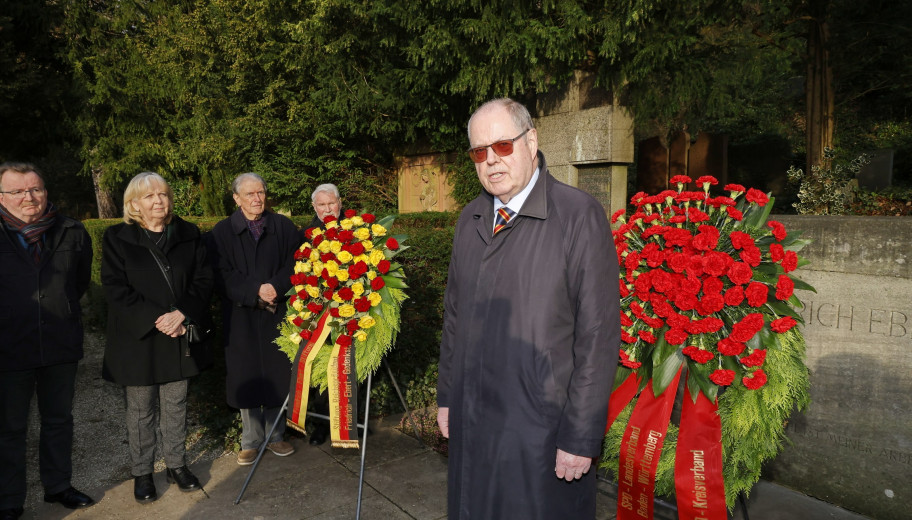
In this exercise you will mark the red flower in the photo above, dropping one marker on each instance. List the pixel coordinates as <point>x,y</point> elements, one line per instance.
<point>346,293</point>
<point>685,300</point>
<point>625,320</point>
<point>646,336</point>
<point>734,296</point>
<point>776,252</point>
<point>305,334</point>
<point>318,240</point>
<point>328,294</point>
<point>751,255</point>
<point>756,196</point>
<point>298,321</point>
<point>712,285</point>
<point>707,179</point>
<point>346,236</point>
<point>392,244</point>
<point>755,381</point>
<point>334,312</point>
<point>362,304</point>
<point>729,347</point>
<point>740,239</point>
<point>745,329</point>
<point>624,290</point>
<point>383,266</point>
<point>695,215</point>
<point>716,263</point>
<point>627,338</point>
<point>332,233</point>
<point>710,304</point>
<point>782,324</point>
<point>625,360</point>
<point>699,355</point>
<point>368,218</point>
<point>778,229</point>
<point>632,261</point>
<point>756,294</point>
<point>314,307</point>
<point>734,213</point>
<point>702,326</point>
<point>735,187</point>
<point>326,257</point>
<point>722,377</point>
<point>677,262</point>
<point>740,273</point>
<point>313,280</point>
<point>298,279</point>
<point>349,213</point>
<point>352,326</point>
<point>332,282</point>
<point>616,215</point>
<point>343,340</point>
<point>680,179</point>
<point>356,249</point>
<point>784,287</point>
<point>756,358</point>
<point>675,336</point>
<point>377,283</point>
<point>790,261</point>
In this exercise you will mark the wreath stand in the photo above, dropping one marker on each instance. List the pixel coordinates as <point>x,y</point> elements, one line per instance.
<point>281,417</point>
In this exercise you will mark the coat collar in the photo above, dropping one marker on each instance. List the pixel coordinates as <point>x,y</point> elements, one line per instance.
<point>179,231</point>
<point>239,221</point>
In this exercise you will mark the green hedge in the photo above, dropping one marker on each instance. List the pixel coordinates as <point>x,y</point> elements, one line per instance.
<point>413,358</point>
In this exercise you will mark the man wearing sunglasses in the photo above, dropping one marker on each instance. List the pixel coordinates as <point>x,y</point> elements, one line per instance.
<point>531,333</point>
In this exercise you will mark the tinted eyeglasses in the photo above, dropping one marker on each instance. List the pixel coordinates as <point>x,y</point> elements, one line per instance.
<point>501,148</point>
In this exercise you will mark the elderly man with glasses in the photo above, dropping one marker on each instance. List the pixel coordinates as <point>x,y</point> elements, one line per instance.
<point>531,333</point>
<point>45,267</point>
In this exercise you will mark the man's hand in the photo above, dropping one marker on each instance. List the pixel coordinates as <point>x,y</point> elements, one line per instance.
<point>267,293</point>
<point>568,467</point>
<point>171,323</point>
<point>443,421</point>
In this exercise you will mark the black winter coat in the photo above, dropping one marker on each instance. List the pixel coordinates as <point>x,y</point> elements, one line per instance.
<point>40,315</point>
<point>137,354</point>
<point>258,372</point>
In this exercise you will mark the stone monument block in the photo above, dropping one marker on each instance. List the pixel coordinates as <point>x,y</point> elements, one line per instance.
<point>423,184</point>
<point>853,445</point>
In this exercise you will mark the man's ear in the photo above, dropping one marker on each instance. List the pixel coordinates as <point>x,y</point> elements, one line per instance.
<point>532,141</point>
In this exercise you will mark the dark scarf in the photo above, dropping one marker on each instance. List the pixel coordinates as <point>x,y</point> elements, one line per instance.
<point>256,227</point>
<point>32,233</point>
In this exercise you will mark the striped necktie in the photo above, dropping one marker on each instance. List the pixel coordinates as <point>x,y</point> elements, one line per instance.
<point>504,214</point>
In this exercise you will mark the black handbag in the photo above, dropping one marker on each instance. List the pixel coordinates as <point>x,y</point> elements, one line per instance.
<point>194,333</point>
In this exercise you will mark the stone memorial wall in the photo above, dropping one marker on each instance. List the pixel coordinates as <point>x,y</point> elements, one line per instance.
<point>853,445</point>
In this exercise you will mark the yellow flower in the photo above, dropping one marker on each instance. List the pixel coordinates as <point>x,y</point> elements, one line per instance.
<point>357,220</point>
<point>296,338</point>
<point>344,257</point>
<point>378,230</point>
<point>335,246</point>
<point>368,245</point>
<point>324,246</point>
<point>306,315</point>
<point>358,288</point>
<point>374,298</point>
<point>342,275</point>
<point>290,318</point>
<point>331,267</point>
<point>346,223</point>
<point>337,298</point>
<point>375,256</point>
<point>361,258</point>
<point>360,335</point>
<point>299,267</point>
<point>318,268</point>
<point>298,305</point>
<point>347,310</point>
<point>314,255</point>
<point>333,224</point>
<point>362,233</point>
<point>298,288</point>
<point>312,291</point>
<point>371,275</point>
<point>316,232</point>
<point>367,322</point>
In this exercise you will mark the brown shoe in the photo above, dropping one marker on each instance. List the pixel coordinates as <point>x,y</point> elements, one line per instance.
<point>281,448</point>
<point>246,457</point>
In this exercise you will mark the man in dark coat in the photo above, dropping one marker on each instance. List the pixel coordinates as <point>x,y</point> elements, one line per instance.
<point>254,252</point>
<point>531,334</point>
<point>45,268</point>
<point>326,201</point>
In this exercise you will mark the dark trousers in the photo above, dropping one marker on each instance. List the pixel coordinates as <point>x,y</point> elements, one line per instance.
<point>55,386</point>
<point>166,404</point>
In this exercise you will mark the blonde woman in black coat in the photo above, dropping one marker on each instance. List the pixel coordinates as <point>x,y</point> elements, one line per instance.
<point>157,281</point>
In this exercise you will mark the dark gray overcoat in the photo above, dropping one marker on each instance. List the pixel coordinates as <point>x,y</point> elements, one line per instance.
<point>257,371</point>
<point>528,353</point>
<point>136,353</point>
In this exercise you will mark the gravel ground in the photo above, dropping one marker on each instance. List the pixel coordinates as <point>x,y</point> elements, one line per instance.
<point>100,452</point>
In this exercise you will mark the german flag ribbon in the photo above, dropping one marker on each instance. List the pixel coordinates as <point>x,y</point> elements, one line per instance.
<point>699,487</point>
<point>300,376</point>
<point>641,448</point>
<point>343,394</point>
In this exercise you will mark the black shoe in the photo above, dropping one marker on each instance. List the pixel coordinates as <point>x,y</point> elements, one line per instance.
<point>186,481</point>
<point>70,498</point>
<point>144,489</point>
<point>318,436</point>
<point>10,514</point>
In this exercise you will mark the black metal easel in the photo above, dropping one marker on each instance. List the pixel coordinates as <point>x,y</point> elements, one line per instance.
<point>281,417</point>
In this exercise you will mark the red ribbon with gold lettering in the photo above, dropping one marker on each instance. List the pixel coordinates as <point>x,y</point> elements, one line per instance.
<point>300,375</point>
<point>699,487</point>
<point>343,394</point>
<point>640,450</point>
